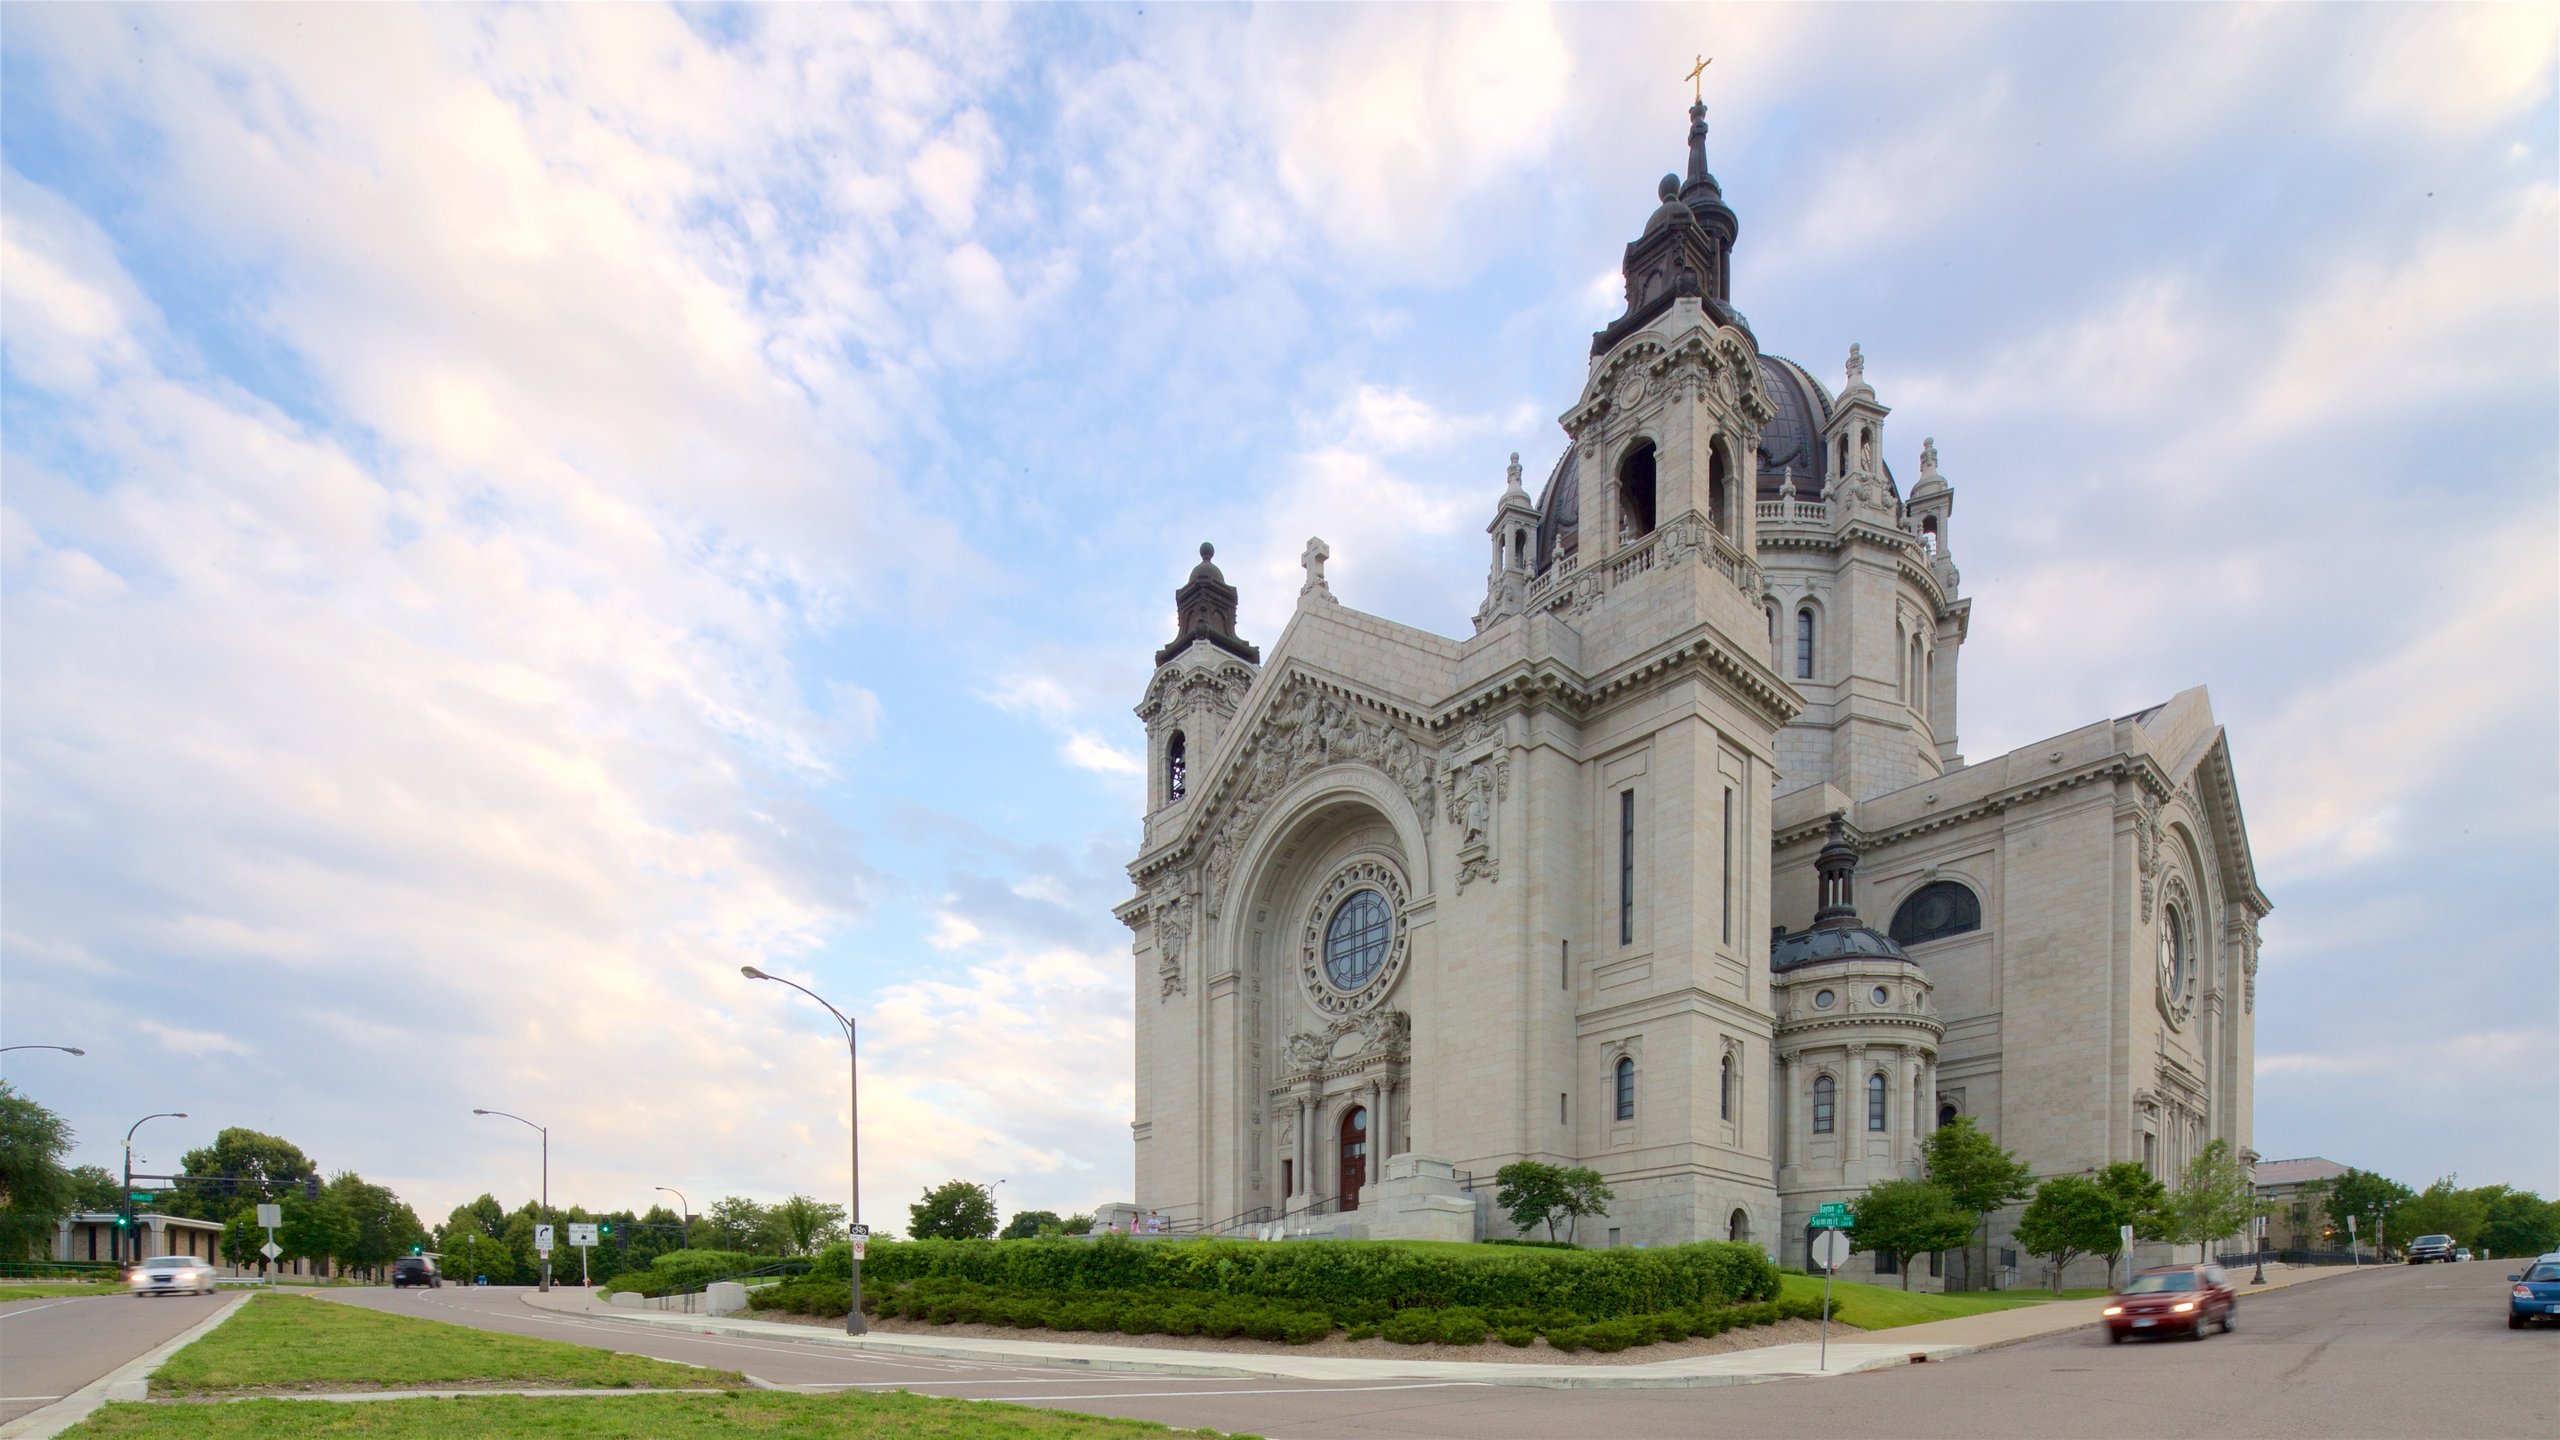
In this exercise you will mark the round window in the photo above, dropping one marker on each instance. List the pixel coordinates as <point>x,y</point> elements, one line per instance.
<point>2173,954</point>
<point>1355,939</point>
<point>1822,999</point>
<point>1882,996</point>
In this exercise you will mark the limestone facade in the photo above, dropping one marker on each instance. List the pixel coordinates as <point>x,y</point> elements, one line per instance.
<point>1409,908</point>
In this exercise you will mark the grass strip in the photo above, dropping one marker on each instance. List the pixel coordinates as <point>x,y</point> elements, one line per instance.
<point>1880,1307</point>
<point>745,1415</point>
<point>294,1342</point>
<point>57,1290</point>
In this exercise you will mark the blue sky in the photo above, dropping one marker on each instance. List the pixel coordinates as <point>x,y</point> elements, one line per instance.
<point>511,514</point>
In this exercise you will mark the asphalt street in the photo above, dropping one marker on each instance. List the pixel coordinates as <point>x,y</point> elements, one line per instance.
<point>49,1348</point>
<point>2397,1351</point>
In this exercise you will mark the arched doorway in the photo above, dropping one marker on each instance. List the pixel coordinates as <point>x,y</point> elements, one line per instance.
<point>1355,1155</point>
<point>1738,1228</point>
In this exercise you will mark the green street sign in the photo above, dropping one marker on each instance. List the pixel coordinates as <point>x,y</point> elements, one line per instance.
<point>140,1197</point>
<point>1834,1216</point>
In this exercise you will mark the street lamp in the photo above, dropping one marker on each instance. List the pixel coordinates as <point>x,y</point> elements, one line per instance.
<point>853,1324</point>
<point>65,1049</point>
<point>127,1201</point>
<point>688,1213</point>
<point>991,1202</point>
<point>546,1177</point>
<point>2261,1278</point>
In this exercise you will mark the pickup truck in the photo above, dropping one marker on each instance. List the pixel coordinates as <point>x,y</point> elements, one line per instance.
<point>2431,1247</point>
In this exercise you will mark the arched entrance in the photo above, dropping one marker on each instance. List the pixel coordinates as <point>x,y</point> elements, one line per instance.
<point>1738,1227</point>
<point>1355,1155</point>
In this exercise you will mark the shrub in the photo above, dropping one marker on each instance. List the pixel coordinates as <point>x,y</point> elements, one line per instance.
<point>1461,1327</point>
<point>1305,1327</point>
<point>678,1270</point>
<point>1668,1327</point>
<point>1610,1336</point>
<point>1517,1336</point>
<point>1569,1338</point>
<point>1412,1327</point>
<point>1361,1332</point>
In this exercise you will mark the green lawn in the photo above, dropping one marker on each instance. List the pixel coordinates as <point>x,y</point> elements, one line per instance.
<point>57,1289</point>
<point>294,1342</point>
<point>746,1415</point>
<point>1877,1307</point>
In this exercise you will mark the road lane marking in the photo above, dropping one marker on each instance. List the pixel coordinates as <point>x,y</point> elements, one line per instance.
<point>1122,1378</point>
<point>1194,1394</point>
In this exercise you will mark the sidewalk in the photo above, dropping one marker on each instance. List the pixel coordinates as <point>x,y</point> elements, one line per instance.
<point>1852,1351</point>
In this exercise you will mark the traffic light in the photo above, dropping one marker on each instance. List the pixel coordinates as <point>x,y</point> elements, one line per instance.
<point>124,1222</point>
<point>605,1228</point>
<point>417,1249</point>
<point>311,1187</point>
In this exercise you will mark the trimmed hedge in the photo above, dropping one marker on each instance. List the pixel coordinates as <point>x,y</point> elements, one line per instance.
<point>690,1270</point>
<point>1346,1278</point>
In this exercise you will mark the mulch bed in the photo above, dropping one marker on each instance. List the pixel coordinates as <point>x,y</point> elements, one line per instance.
<point>1536,1352</point>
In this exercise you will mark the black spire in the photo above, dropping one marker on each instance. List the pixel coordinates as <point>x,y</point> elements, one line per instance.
<point>1837,866</point>
<point>1674,257</point>
<point>1205,609</point>
<point>1699,179</point>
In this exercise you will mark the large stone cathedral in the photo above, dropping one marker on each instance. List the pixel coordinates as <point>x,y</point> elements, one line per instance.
<point>1673,868</point>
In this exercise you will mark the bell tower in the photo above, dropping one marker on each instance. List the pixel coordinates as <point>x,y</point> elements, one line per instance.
<point>1201,677</point>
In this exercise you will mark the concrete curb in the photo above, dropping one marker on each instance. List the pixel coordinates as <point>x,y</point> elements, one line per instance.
<point>359,1397</point>
<point>129,1381</point>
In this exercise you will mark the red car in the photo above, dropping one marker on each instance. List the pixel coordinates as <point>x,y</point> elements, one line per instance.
<point>2173,1300</point>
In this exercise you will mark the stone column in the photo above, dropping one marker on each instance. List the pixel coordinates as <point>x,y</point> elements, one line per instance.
<point>1790,1146</point>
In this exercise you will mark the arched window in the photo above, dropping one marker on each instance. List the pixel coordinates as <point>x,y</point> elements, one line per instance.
<point>1176,768</point>
<point>1724,1091</point>
<point>1946,1114</point>
<point>1822,1104</point>
<point>1844,456</point>
<point>1875,1103</point>
<point>1635,492</point>
<point>1626,1088</point>
<point>1902,672</point>
<point>1935,911</point>
<point>1915,672</point>
<point>1717,488</point>
<point>1804,643</point>
<point>1737,1227</point>
<point>1929,534</point>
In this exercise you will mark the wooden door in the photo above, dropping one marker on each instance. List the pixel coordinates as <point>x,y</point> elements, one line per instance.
<point>1355,1156</point>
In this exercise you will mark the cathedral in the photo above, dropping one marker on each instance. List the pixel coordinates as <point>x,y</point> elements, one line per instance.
<point>1673,868</point>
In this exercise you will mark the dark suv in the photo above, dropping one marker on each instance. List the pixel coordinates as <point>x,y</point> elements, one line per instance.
<point>2431,1247</point>
<point>414,1270</point>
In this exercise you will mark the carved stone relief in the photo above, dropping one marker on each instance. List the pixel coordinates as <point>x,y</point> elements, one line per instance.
<point>1385,1035</point>
<point>1305,730</point>
<point>1173,930</point>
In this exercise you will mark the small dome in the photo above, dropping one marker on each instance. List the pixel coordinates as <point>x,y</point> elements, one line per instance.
<point>1205,570</point>
<point>1850,942</point>
<point>1791,444</point>
<point>1930,484</point>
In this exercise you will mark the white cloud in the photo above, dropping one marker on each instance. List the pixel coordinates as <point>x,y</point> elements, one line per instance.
<point>191,1042</point>
<point>1087,753</point>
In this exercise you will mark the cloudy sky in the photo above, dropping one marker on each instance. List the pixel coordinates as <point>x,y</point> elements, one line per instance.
<point>512,514</point>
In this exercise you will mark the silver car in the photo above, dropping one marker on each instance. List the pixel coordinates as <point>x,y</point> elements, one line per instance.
<point>172,1275</point>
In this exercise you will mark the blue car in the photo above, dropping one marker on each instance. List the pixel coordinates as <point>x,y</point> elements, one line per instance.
<point>2535,1294</point>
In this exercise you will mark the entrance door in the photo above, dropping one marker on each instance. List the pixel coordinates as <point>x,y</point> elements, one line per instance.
<point>1355,1156</point>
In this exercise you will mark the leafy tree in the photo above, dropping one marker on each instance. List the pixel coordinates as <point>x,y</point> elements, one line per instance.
<point>1028,1223</point>
<point>241,1237</point>
<point>2141,1202</point>
<point>1908,1217</point>
<point>96,1188</point>
<point>953,1210</point>
<point>268,1166</point>
<point>1532,1193</point>
<point>1076,1224</point>
<point>735,1222</point>
<point>2519,1222</point>
<point>2368,1198</point>
<point>322,1229</point>
<point>2443,1209</point>
<point>385,1228</point>
<point>1977,1174</point>
<point>469,1251</point>
<point>2071,1216</point>
<point>806,1224</point>
<point>35,1189</point>
<point>1585,1194</point>
<point>2215,1197</point>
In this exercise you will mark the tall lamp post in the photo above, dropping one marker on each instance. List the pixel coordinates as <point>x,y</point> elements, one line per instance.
<point>65,1049</point>
<point>127,1202</point>
<point>688,1213</point>
<point>853,1323</point>
<point>546,1177</point>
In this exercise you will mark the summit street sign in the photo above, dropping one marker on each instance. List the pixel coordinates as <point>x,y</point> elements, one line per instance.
<point>1834,1216</point>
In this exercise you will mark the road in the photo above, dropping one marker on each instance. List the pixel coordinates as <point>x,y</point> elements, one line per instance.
<point>2397,1351</point>
<point>49,1348</point>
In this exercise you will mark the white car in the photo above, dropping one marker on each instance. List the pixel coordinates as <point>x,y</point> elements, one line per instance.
<point>173,1274</point>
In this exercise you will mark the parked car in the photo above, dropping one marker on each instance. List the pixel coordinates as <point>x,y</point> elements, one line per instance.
<point>2430,1247</point>
<point>2534,1294</point>
<point>2462,1253</point>
<point>172,1275</point>
<point>411,1270</point>
<point>2173,1300</point>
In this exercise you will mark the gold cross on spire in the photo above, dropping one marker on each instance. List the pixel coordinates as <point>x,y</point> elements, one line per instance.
<point>1694,78</point>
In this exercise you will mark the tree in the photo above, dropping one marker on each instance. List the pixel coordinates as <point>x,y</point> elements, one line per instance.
<point>2215,1197</point>
<point>2519,1222</point>
<point>1076,1224</point>
<point>322,1229</point>
<point>2443,1209</point>
<point>1978,1175</point>
<point>267,1167</point>
<point>470,1251</point>
<point>953,1210</point>
<point>1585,1193</point>
<point>2366,1197</point>
<point>735,1222</point>
<point>96,1188</point>
<point>385,1228</point>
<point>2140,1199</point>
<point>805,1224</point>
<point>241,1237</point>
<point>1532,1193</point>
<point>35,1190</point>
<point>1027,1223</point>
<point>1909,1218</point>
<point>2071,1216</point>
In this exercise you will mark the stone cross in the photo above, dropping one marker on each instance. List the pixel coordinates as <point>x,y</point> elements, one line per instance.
<point>1857,366</point>
<point>1313,558</point>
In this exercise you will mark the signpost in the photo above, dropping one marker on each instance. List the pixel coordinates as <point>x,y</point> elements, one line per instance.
<point>860,1237</point>
<point>583,1237</point>
<point>269,1217</point>
<point>1830,1251</point>
<point>2352,1252</point>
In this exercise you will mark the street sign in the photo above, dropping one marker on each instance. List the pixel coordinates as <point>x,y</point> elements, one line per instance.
<point>270,1216</point>
<point>1834,1216</point>
<point>2124,1238</point>
<point>139,1197</point>
<point>271,1250</point>
<point>1831,1249</point>
<point>542,1239</point>
<point>859,1232</point>
<point>581,1235</point>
